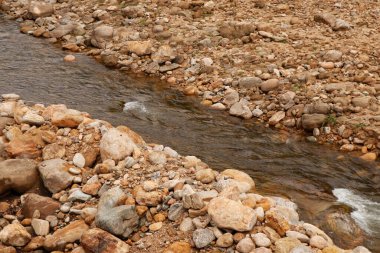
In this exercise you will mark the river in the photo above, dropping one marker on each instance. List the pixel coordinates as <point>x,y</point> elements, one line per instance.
<point>309,174</point>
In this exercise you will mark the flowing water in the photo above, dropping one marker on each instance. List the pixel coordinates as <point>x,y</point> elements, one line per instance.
<point>309,174</point>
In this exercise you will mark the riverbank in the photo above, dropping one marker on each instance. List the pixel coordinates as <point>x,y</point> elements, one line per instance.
<point>285,64</point>
<point>109,189</point>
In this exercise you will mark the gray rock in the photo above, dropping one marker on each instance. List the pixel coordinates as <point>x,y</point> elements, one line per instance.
<point>163,54</point>
<point>241,109</point>
<point>202,237</point>
<point>118,220</point>
<point>116,145</point>
<point>333,56</point>
<point>101,36</point>
<point>175,211</point>
<point>257,112</point>
<point>249,82</point>
<point>311,121</point>
<point>55,175</point>
<point>231,97</point>
<point>19,175</point>
<point>79,195</point>
<point>193,201</point>
<point>62,30</point>
<point>186,225</point>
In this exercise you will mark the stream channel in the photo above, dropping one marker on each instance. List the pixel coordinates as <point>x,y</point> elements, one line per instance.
<point>337,195</point>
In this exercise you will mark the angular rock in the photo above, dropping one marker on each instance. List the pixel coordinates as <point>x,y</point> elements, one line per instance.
<point>99,241</point>
<point>178,247</point>
<point>311,121</point>
<point>14,235</point>
<point>32,202</point>
<point>230,214</point>
<point>40,9</point>
<point>116,145</point>
<point>40,227</point>
<point>163,54</point>
<point>118,220</point>
<point>202,237</point>
<point>286,244</point>
<point>276,118</point>
<point>69,234</point>
<point>19,175</point>
<point>239,176</point>
<point>67,118</point>
<point>55,175</point>
<point>241,109</point>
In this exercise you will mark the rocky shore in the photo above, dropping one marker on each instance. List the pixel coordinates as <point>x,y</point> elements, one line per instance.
<point>309,66</point>
<point>109,191</point>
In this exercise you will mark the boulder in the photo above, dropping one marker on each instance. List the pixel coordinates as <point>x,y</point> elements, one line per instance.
<point>239,176</point>
<point>116,145</point>
<point>69,234</point>
<point>117,220</point>
<point>241,109</point>
<point>18,175</point>
<point>311,121</point>
<point>139,48</point>
<point>32,202</point>
<point>67,118</point>
<point>101,36</point>
<point>55,175</point>
<point>99,241</point>
<point>40,9</point>
<point>230,214</point>
<point>15,235</point>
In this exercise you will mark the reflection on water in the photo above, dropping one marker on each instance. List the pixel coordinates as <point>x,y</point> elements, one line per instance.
<point>303,172</point>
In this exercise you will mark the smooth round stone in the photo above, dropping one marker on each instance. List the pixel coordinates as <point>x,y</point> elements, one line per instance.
<point>155,226</point>
<point>69,58</point>
<point>75,171</point>
<point>79,160</point>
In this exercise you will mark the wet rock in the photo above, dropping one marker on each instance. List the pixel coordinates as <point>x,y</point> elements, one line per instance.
<point>116,145</point>
<point>99,241</point>
<point>241,109</point>
<point>15,235</point>
<point>101,36</point>
<point>243,178</point>
<point>55,175</point>
<point>118,220</point>
<point>311,121</point>
<point>202,237</point>
<point>230,214</point>
<point>69,234</point>
<point>40,9</point>
<point>19,175</point>
<point>32,202</point>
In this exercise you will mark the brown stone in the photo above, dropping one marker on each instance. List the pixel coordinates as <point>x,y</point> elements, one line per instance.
<point>99,241</point>
<point>178,247</point>
<point>45,205</point>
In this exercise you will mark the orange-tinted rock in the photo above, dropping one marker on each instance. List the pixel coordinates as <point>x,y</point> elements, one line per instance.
<point>45,205</point>
<point>99,241</point>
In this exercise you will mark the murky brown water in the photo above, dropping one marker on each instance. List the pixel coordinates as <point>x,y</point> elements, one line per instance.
<point>306,173</point>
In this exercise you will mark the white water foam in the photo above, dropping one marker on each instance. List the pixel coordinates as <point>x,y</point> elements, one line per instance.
<point>366,212</point>
<point>135,106</point>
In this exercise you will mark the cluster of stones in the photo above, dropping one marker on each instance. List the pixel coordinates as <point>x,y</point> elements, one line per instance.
<point>112,192</point>
<point>289,66</point>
